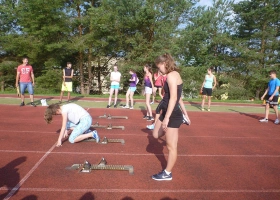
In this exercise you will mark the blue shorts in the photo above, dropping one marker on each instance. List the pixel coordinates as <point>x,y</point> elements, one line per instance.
<point>24,85</point>
<point>115,87</point>
<point>79,128</point>
<point>132,89</point>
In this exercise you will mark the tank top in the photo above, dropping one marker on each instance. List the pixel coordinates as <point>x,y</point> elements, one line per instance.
<point>208,81</point>
<point>68,72</point>
<point>147,82</point>
<point>166,96</point>
<point>158,79</point>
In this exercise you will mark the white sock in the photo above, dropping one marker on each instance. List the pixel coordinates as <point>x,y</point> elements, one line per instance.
<point>167,172</point>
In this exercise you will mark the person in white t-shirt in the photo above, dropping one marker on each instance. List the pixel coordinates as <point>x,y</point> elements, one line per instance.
<point>75,119</point>
<point>115,79</point>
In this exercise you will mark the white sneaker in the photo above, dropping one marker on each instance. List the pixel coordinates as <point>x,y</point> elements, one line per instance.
<point>152,102</point>
<point>151,127</point>
<point>276,121</point>
<point>127,107</point>
<point>131,108</point>
<point>263,120</point>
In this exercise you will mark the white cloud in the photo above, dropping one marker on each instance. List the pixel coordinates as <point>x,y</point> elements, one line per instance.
<point>210,2</point>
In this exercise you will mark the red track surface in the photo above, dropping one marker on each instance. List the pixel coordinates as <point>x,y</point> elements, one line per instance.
<point>220,156</point>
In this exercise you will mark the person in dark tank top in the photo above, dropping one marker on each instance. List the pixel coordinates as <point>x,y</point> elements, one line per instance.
<point>171,117</point>
<point>67,81</point>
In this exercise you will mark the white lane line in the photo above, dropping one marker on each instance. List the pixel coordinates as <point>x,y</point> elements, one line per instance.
<point>12,192</point>
<point>147,190</point>
<point>144,154</point>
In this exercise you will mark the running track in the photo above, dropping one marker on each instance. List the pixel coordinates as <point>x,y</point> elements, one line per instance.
<point>220,156</point>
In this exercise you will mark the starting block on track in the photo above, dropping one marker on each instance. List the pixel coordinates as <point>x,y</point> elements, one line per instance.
<point>112,117</point>
<point>106,141</point>
<point>102,165</point>
<point>97,125</point>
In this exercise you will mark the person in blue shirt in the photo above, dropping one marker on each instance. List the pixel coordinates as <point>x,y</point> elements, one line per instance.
<point>207,87</point>
<point>271,95</point>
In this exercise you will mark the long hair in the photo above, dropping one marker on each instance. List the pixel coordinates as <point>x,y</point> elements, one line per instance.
<point>149,67</point>
<point>50,111</point>
<point>170,65</point>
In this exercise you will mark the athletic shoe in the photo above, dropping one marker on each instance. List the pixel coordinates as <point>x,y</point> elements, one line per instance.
<point>151,127</point>
<point>276,121</point>
<point>115,106</point>
<point>22,104</point>
<point>162,176</point>
<point>145,117</point>
<point>127,107</point>
<point>95,136</point>
<point>150,118</point>
<point>33,104</point>
<point>152,102</point>
<point>263,120</point>
<point>208,109</point>
<point>108,106</point>
<point>185,120</point>
<point>131,108</point>
<point>202,109</point>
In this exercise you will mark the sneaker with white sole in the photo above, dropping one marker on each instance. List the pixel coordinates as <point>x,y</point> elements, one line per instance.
<point>276,121</point>
<point>95,136</point>
<point>263,120</point>
<point>131,108</point>
<point>126,107</point>
<point>151,127</point>
<point>150,118</point>
<point>152,103</point>
<point>162,176</point>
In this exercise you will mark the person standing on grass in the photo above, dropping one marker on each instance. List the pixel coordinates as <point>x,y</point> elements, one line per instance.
<point>158,85</point>
<point>207,87</point>
<point>25,77</point>
<point>115,79</point>
<point>132,88</point>
<point>149,87</point>
<point>271,96</point>
<point>171,117</point>
<point>67,81</point>
<point>75,119</point>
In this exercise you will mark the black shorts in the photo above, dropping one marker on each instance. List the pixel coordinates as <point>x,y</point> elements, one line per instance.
<point>207,91</point>
<point>159,107</point>
<point>158,86</point>
<point>274,101</point>
<point>176,118</point>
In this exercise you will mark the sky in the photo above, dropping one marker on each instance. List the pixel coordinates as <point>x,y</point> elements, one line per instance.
<point>209,2</point>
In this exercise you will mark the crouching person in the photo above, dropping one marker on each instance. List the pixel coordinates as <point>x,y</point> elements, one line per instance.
<point>74,118</point>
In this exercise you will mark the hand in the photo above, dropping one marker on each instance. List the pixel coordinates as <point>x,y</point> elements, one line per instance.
<point>262,98</point>
<point>16,84</point>
<point>65,135</point>
<point>270,98</point>
<point>58,143</point>
<point>213,88</point>
<point>33,84</point>
<point>164,124</point>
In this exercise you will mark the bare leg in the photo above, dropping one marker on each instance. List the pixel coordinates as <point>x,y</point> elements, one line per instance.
<point>82,137</point>
<point>276,111</point>
<point>149,109</point>
<point>127,97</point>
<point>116,96</point>
<point>110,97</point>
<point>203,100</point>
<point>131,98</point>
<point>68,97</point>
<point>209,102</point>
<point>61,95</point>
<point>31,97</point>
<point>22,97</point>
<point>158,131</point>
<point>266,110</point>
<point>171,143</point>
<point>154,94</point>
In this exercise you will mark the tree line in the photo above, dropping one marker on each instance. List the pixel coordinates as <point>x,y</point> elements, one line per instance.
<point>240,40</point>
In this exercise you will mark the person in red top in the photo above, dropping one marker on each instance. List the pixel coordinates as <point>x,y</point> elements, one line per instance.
<point>158,85</point>
<point>25,77</point>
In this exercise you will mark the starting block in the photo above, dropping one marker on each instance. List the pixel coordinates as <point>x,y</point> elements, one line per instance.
<point>112,117</point>
<point>106,141</point>
<point>96,125</point>
<point>102,165</point>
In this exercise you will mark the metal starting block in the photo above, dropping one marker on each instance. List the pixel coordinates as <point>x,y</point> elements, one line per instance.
<point>106,141</point>
<point>102,165</point>
<point>97,125</point>
<point>112,117</point>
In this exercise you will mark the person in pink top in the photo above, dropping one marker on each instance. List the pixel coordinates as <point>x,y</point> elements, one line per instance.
<point>25,77</point>
<point>158,85</point>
